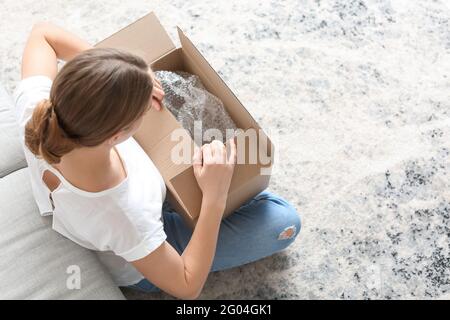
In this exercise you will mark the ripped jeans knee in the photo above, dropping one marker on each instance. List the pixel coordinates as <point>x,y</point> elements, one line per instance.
<point>288,233</point>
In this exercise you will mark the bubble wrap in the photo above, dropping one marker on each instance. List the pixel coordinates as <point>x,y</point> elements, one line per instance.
<point>189,101</point>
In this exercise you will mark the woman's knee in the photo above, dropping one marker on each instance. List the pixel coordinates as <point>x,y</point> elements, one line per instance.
<point>266,225</point>
<point>281,217</point>
<point>289,223</point>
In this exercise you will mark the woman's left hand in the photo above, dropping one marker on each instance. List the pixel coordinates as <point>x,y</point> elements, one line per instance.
<point>157,93</point>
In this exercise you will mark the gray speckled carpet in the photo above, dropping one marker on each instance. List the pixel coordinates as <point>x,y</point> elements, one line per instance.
<point>355,95</point>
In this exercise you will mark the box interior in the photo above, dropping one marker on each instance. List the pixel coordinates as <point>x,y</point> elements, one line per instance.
<point>181,60</point>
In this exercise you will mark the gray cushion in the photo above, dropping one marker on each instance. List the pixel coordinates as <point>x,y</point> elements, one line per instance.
<point>34,258</point>
<point>11,154</point>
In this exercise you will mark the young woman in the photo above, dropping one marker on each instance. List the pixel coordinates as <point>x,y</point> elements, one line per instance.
<point>104,191</point>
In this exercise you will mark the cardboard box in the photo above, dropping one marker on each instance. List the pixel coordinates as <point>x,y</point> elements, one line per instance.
<point>147,38</point>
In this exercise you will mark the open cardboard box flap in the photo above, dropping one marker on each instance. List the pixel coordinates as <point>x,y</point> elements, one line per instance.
<point>147,38</point>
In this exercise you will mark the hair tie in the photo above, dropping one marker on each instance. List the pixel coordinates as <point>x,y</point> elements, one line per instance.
<point>62,127</point>
<point>51,108</point>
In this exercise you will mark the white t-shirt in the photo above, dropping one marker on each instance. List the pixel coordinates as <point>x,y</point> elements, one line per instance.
<point>123,223</point>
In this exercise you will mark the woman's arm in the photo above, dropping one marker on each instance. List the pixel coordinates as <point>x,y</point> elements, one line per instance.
<point>184,276</point>
<point>45,45</point>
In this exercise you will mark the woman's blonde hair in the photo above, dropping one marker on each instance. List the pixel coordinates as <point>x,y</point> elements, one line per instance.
<point>95,95</point>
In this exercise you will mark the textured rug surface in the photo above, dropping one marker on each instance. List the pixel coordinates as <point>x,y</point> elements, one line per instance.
<point>355,95</point>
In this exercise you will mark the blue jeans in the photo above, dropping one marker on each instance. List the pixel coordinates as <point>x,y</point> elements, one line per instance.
<point>263,226</point>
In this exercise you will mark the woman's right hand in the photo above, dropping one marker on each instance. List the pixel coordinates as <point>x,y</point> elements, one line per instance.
<point>184,275</point>
<point>213,169</point>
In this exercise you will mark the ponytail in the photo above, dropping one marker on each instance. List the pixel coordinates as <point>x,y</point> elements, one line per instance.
<point>43,135</point>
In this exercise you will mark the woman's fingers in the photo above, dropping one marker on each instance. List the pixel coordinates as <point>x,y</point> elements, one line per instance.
<point>156,104</point>
<point>158,83</point>
<point>216,152</point>
<point>197,161</point>
<point>207,154</point>
<point>232,152</point>
<point>198,156</point>
<point>158,93</point>
<point>157,97</point>
<point>219,152</point>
